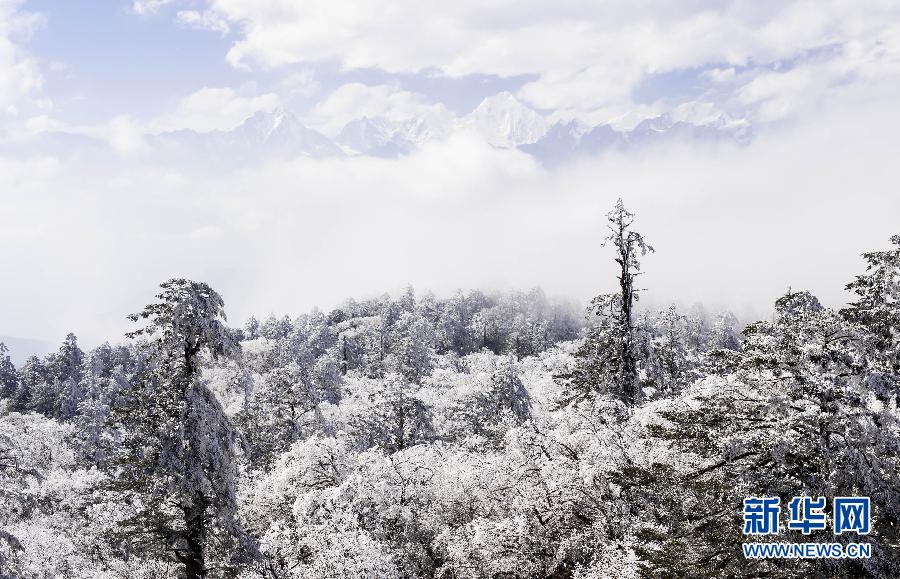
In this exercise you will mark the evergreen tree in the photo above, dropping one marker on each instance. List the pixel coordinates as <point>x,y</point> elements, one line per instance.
<point>68,373</point>
<point>175,464</point>
<point>69,361</point>
<point>503,402</point>
<point>251,328</point>
<point>452,333</point>
<point>32,392</point>
<point>9,379</point>
<point>798,417</point>
<point>411,346</point>
<point>672,352</point>
<point>877,308</point>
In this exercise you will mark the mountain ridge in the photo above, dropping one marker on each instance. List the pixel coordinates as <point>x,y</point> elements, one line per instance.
<point>501,120</point>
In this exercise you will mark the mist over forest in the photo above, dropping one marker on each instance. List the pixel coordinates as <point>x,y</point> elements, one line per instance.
<point>479,435</point>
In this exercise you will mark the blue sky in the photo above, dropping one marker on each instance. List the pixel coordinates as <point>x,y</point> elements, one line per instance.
<point>574,59</point>
<point>103,59</point>
<point>86,239</point>
<point>119,62</point>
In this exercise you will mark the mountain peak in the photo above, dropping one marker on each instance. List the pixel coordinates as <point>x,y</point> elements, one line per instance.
<point>505,122</point>
<point>262,124</point>
<point>503,99</point>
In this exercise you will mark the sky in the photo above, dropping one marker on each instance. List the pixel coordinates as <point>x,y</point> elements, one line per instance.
<point>85,241</point>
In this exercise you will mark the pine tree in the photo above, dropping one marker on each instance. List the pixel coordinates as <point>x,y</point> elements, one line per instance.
<point>9,379</point>
<point>32,392</point>
<point>68,373</point>
<point>176,462</point>
<point>877,308</point>
<point>799,416</point>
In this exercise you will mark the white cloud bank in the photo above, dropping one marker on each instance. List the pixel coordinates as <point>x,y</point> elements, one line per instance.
<point>20,77</point>
<point>84,246</point>
<point>210,109</point>
<point>585,56</point>
<point>355,100</point>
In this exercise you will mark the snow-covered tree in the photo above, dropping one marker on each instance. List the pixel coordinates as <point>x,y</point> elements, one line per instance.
<point>387,413</point>
<point>672,352</point>
<point>175,466</point>
<point>453,326</point>
<point>33,391</point>
<point>799,416</point>
<point>9,379</point>
<point>489,407</point>
<point>283,410</point>
<point>608,360</point>
<point>67,374</point>
<point>877,308</point>
<point>412,346</point>
<point>404,438</point>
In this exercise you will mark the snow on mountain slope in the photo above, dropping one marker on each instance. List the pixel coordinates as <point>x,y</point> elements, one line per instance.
<point>502,120</point>
<point>505,122</point>
<point>265,134</point>
<point>568,141</point>
<point>381,137</point>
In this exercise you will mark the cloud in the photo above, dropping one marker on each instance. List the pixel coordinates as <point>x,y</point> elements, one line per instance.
<point>861,71</point>
<point>21,232</point>
<point>20,76</point>
<point>206,232</point>
<point>302,83</point>
<point>584,56</point>
<point>732,226</point>
<point>41,123</point>
<point>207,109</point>
<point>125,135</point>
<point>147,7</point>
<point>355,100</point>
<point>210,109</point>
<point>206,20</point>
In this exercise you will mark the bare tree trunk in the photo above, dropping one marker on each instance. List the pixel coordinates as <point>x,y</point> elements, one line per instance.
<point>628,376</point>
<point>195,539</point>
<point>195,514</point>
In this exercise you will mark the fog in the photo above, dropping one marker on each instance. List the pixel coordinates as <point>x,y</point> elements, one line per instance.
<point>87,242</point>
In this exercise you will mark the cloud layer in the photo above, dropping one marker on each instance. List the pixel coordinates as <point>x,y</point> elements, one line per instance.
<point>772,56</point>
<point>732,226</point>
<point>20,76</point>
<point>87,237</point>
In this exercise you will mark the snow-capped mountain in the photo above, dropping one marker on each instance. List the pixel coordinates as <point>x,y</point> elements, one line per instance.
<point>265,134</point>
<point>566,141</point>
<point>666,127</point>
<point>501,120</point>
<point>382,137</point>
<point>505,122</point>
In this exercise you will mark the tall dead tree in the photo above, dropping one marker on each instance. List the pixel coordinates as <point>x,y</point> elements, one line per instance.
<point>608,359</point>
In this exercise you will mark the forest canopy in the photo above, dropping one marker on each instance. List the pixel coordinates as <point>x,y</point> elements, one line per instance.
<point>479,435</point>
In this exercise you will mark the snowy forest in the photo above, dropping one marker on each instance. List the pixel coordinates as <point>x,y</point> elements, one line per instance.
<point>481,435</point>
